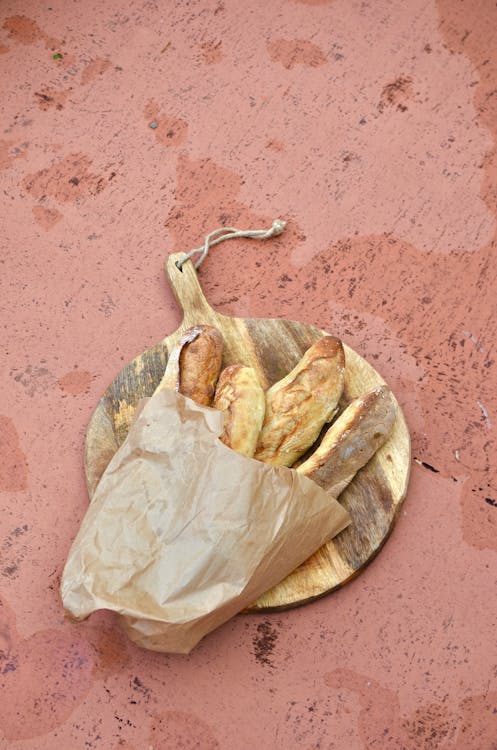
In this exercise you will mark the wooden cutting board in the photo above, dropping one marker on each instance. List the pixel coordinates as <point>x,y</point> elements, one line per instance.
<point>272,347</point>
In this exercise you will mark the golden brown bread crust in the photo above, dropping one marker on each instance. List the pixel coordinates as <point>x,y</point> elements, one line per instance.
<point>351,441</point>
<point>278,427</point>
<point>299,405</point>
<point>241,397</point>
<point>194,364</point>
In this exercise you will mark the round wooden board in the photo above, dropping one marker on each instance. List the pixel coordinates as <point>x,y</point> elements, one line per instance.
<point>272,347</point>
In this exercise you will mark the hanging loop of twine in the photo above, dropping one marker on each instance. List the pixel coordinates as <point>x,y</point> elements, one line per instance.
<point>230,233</point>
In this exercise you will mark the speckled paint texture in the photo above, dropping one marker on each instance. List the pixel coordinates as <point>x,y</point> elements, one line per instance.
<point>370,127</point>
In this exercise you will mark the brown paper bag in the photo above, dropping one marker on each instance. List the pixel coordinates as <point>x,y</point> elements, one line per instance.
<point>183,532</point>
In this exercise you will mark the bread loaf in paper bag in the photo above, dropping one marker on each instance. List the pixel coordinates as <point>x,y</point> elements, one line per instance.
<point>183,532</point>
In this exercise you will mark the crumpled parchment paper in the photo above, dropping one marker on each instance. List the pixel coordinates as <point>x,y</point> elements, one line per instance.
<point>183,532</point>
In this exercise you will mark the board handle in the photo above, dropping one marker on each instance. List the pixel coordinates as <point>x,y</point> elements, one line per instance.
<point>187,290</point>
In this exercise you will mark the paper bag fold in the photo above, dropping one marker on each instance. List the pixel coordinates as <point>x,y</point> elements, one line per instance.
<point>183,532</point>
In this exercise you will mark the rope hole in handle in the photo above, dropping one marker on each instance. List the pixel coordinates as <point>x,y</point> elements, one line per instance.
<point>230,233</point>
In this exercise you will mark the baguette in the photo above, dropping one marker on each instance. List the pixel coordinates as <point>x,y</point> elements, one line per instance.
<point>298,406</point>
<point>194,364</point>
<point>362,428</point>
<point>241,397</point>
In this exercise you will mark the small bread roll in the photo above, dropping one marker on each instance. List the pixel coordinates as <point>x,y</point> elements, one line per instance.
<point>194,364</point>
<point>362,428</point>
<point>241,397</point>
<point>299,405</point>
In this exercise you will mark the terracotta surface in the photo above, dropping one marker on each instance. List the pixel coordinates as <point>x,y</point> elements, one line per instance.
<point>371,128</point>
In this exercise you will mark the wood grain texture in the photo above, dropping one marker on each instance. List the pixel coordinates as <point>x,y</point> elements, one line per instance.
<point>272,348</point>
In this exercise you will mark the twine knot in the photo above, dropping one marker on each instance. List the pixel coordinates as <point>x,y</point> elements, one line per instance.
<point>230,233</point>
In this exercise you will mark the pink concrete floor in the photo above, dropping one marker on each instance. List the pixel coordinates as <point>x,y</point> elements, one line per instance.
<point>370,127</point>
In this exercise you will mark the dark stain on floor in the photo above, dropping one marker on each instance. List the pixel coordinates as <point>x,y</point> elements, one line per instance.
<point>264,642</point>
